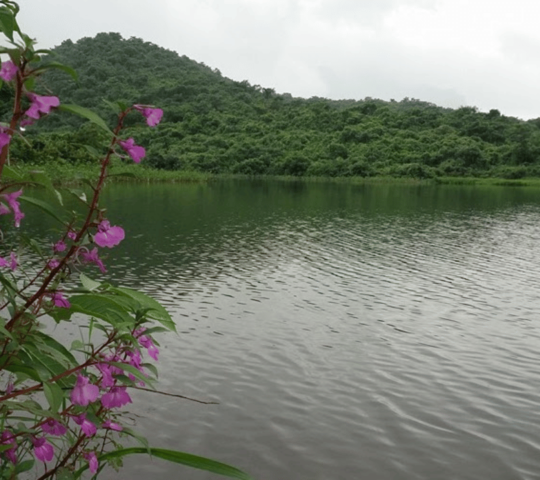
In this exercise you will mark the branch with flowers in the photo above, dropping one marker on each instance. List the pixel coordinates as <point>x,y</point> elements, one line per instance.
<point>61,407</point>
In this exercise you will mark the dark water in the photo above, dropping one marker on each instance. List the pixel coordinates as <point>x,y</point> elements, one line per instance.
<point>347,332</point>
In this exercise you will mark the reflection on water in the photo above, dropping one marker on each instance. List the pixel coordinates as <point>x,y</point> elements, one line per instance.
<point>377,332</point>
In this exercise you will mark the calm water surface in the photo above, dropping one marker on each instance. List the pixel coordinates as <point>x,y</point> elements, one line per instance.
<point>347,332</point>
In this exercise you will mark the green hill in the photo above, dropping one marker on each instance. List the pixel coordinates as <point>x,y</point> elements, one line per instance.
<point>215,124</point>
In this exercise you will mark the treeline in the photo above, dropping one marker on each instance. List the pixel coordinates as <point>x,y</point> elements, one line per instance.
<point>214,124</point>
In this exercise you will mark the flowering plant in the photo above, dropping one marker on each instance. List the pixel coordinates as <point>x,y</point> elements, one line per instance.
<point>61,406</point>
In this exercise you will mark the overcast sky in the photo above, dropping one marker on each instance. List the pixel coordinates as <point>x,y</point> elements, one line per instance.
<point>483,53</point>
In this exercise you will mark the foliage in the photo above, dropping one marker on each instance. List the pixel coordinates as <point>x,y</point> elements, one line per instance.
<point>215,125</point>
<point>61,406</point>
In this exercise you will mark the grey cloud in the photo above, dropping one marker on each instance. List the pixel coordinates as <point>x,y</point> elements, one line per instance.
<point>519,47</point>
<point>361,12</point>
<point>326,48</point>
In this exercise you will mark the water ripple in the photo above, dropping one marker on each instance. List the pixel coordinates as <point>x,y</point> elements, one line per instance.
<point>398,342</point>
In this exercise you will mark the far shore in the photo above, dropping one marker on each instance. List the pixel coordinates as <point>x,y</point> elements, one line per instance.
<point>67,174</point>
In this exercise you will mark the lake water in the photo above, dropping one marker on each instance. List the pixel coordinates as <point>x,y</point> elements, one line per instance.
<point>347,332</point>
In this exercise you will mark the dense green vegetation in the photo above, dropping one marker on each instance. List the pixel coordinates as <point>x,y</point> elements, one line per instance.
<point>215,125</point>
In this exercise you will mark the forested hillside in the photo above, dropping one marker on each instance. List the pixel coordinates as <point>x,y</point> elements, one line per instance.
<point>215,124</point>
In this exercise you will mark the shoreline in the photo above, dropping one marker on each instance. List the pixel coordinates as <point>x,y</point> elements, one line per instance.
<point>67,174</point>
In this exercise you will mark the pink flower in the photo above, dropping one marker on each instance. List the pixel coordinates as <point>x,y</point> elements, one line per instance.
<point>7,438</point>
<point>88,428</point>
<point>52,427</point>
<point>107,371</point>
<point>134,379</point>
<point>8,71</point>
<point>136,152</point>
<point>152,115</point>
<point>72,235</point>
<point>92,461</point>
<point>59,246</point>
<point>43,450</point>
<point>40,104</point>
<point>116,397</point>
<point>12,263</point>
<point>139,331</point>
<point>53,263</point>
<point>147,343</point>
<point>84,392</point>
<point>108,236</point>
<point>134,359</point>
<point>59,300</point>
<point>111,358</point>
<point>5,138</point>
<point>92,257</point>
<point>14,204</point>
<point>153,351</point>
<point>112,426</point>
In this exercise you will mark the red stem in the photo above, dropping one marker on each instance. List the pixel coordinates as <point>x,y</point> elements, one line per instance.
<point>88,222</point>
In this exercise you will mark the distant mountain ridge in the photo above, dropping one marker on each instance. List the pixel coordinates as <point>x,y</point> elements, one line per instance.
<point>215,124</point>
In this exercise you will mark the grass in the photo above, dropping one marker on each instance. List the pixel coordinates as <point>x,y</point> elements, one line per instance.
<point>385,180</point>
<point>354,180</point>
<point>489,181</point>
<point>67,174</point>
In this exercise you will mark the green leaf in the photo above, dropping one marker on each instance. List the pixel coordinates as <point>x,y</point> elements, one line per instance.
<point>8,284</point>
<point>54,395</point>
<point>26,371</point>
<point>115,107</point>
<point>123,106</point>
<point>8,24</point>
<point>137,436</point>
<point>102,307</point>
<point>9,51</point>
<point>10,173</point>
<point>32,362</point>
<point>30,83</point>
<point>64,474</point>
<point>28,41</point>
<point>31,243</point>
<point>45,365</point>
<point>10,289</point>
<point>151,331</point>
<point>88,283</point>
<point>156,310</point>
<point>26,406</point>
<point>60,314</point>
<point>85,113</point>
<point>152,369</point>
<point>182,458</point>
<point>39,177</point>
<point>134,371</point>
<point>77,345</point>
<point>3,330</point>
<point>58,66</point>
<point>24,466</point>
<point>78,194</point>
<point>85,181</point>
<point>92,151</point>
<point>44,206</point>
<point>58,348</point>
